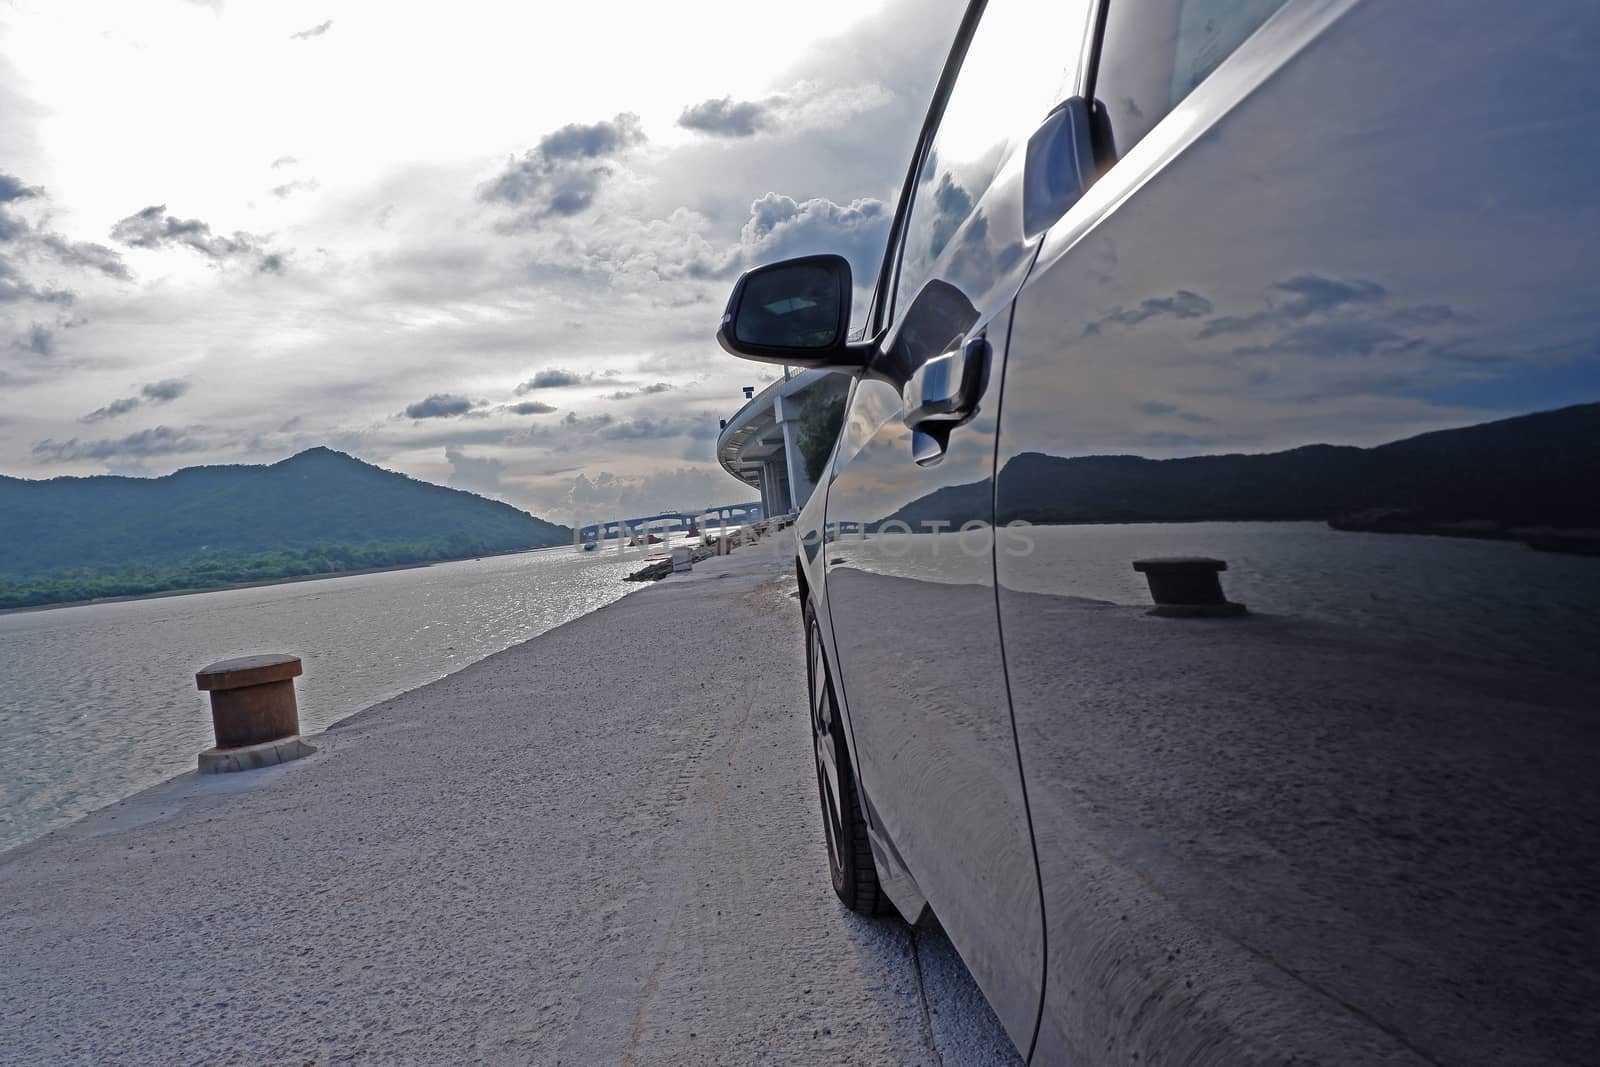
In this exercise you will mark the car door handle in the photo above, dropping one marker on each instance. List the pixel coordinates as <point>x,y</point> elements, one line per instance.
<point>943,393</point>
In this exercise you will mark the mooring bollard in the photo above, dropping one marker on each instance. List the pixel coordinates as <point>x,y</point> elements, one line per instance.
<point>253,713</point>
<point>1187,586</point>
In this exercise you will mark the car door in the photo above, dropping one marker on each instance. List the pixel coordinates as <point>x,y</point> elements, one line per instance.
<point>909,569</point>
<point>1327,321</point>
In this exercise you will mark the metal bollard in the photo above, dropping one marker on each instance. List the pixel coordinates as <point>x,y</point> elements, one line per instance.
<point>1187,586</point>
<point>253,713</point>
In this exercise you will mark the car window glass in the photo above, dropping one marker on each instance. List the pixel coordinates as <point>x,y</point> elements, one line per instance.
<point>1021,62</point>
<point>1157,51</point>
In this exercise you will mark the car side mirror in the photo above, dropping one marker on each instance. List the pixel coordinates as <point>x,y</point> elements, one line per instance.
<point>796,313</point>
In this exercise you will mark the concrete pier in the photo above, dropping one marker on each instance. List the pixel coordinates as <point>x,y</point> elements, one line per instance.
<point>601,846</point>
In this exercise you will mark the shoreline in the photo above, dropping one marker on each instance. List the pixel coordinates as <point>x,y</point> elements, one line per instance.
<point>172,781</point>
<point>265,582</point>
<point>371,704</point>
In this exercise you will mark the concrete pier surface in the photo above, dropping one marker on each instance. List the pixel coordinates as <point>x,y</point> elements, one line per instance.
<point>601,846</point>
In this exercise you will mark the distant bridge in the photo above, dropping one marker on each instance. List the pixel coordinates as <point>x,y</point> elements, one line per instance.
<point>722,514</point>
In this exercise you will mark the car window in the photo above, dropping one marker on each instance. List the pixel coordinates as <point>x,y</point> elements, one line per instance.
<point>1022,60</point>
<point>1156,52</point>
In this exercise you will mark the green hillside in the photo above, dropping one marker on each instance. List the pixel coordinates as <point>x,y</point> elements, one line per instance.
<point>316,512</point>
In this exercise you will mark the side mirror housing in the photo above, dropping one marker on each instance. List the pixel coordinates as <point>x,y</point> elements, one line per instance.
<point>796,313</point>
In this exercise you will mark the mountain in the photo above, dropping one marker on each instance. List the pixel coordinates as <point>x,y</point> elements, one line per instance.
<point>1537,470</point>
<point>314,512</point>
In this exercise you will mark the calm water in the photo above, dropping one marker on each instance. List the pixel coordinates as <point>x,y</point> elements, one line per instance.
<point>1494,600</point>
<point>98,701</point>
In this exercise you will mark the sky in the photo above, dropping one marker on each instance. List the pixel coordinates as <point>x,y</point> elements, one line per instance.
<point>484,244</point>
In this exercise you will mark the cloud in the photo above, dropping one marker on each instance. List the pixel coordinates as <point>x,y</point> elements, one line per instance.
<point>166,390</point>
<point>11,188</point>
<point>152,228</point>
<point>159,441</point>
<point>1159,409</point>
<point>84,254</point>
<point>612,286</point>
<point>780,227</point>
<point>645,428</point>
<point>1300,297</point>
<point>530,407</point>
<point>439,406</point>
<point>162,392</point>
<point>299,185</point>
<point>563,173</point>
<point>315,31</point>
<point>14,289</point>
<point>1180,305</point>
<point>608,495</point>
<point>643,390</point>
<point>553,378</point>
<point>21,241</point>
<point>478,474</point>
<point>725,117</point>
<point>806,106</point>
<point>113,409</point>
<point>39,340</point>
<point>585,423</point>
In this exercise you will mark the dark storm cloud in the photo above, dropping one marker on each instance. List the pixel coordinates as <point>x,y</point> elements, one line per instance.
<point>726,117</point>
<point>153,228</point>
<point>315,31</point>
<point>159,441</point>
<point>562,174</point>
<point>530,407</point>
<point>439,406</point>
<point>553,378</point>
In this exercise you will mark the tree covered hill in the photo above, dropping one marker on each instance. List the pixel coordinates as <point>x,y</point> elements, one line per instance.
<point>1491,479</point>
<point>315,512</point>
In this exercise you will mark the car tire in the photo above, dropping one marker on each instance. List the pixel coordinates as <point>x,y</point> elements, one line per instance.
<point>855,878</point>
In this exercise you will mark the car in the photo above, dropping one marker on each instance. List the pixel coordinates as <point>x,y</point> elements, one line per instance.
<point>1202,602</point>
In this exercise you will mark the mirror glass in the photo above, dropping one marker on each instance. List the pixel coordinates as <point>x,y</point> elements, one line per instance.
<point>791,305</point>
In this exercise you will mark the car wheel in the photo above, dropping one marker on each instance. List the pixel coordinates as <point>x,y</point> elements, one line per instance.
<point>855,879</point>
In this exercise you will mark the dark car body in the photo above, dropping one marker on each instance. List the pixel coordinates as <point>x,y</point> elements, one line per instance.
<point>1310,287</point>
